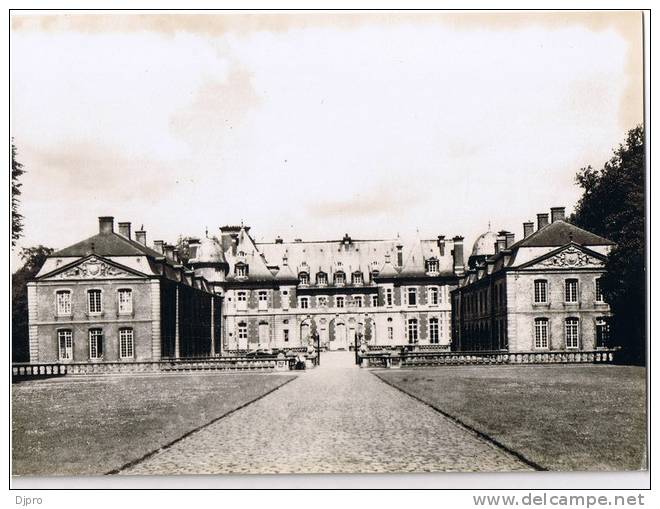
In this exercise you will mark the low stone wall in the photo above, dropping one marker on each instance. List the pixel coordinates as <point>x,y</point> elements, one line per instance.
<point>424,359</point>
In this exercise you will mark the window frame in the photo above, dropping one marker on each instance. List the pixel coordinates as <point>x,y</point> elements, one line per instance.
<point>126,337</point>
<point>303,278</point>
<point>339,278</point>
<point>567,292</point>
<point>119,309</point>
<point>412,326</point>
<point>322,278</point>
<point>63,291</point>
<point>358,301</point>
<point>92,337</point>
<point>374,301</point>
<point>598,290</point>
<point>342,299</point>
<point>541,324</point>
<point>241,270</point>
<point>357,278</point>
<point>602,323</point>
<point>69,347</point>
<point>541,290</point>
<point>574,322</point>
<point>434,326</point>
<point>91,291</point>
<point>433,267</point>
<point>411,290</point>
<point>433,294</point>
<point>303,300</point>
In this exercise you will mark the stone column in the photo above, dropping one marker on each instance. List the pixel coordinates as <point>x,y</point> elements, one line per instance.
<point>33,329</point>
<point>156,352</point>
<point>212,325</point>
<point>177,337</point>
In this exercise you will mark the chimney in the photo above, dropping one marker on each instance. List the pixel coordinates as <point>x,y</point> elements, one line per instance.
<point>542,220</point>
<point>441,244</point>
<point>459,264</point>
<point>399,255</point>
<point>125,229</point>
<point>501,241</point>
<point>169,252</point>
<point>558,213</point>
<point>141,237</point>
<point>234,244</point>
<point>158,246</point>
<point>528,229</point>
<point>175,256</point>
<point>106,224</point>
<point>510,239</point>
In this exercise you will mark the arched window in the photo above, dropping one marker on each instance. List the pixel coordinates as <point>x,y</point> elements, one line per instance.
<point>541,333</point>
<point>432,266</point>
<point>340,278</point>
<point>357,278</point>
<point>241,270</point>
<point>572,328</point>
<point>321,279</point>
<point>303,278</point>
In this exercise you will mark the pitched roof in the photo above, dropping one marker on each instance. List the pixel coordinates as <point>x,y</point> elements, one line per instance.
<point>560,233</point>
<point>107,244</point>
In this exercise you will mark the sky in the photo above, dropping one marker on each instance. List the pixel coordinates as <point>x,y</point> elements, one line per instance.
<point>312,125</point>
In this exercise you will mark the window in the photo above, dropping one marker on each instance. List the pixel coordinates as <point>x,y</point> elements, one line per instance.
<point>340,278</point>
<point>304,278</point>
<point>323,301</point>
<point>241,270</point>
<point>264,333</point>
<point>374,300</point>
<point>321,279</point>
<point>263,300</point>
<point>541,333</point>
<point>357,300</point>
<point>390,333</point>
<point>434,296</point>
<point>540,291</point>
<point>94,301</point>
<point>599,291</point>
<point>357,278</point>
<point>63,298</point>
<point>241,301</point>
<point>125,343</point>
<point>432,266</point>
<point>65,342</point>
<point>242,331</point>
<point>304,302</point>
<point>434,334</point>
<point>125,297</point>
<point>571,290</point>
<point>339,301</point>
<point>572,333</point>
<point>602,333</point>
<point>412,296</point>
<point>95,344</point>
<point>412,330</point>
<point>286,335</point>
<point>388,296</point>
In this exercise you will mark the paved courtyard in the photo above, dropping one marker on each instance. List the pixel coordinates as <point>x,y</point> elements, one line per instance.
<point>336,418</point>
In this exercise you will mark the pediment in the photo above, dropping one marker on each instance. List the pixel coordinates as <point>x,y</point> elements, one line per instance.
<point>92,267</point>
<point>569,257</point>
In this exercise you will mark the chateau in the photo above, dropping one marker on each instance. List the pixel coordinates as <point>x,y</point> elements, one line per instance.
<point>112,298</point>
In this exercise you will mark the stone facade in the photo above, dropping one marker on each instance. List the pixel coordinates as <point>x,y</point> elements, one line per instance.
<point>283,294</point>
<point>110,298</point>
<point>539,294</point>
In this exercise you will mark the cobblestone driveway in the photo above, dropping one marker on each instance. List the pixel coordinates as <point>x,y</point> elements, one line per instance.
<point>336,418</point>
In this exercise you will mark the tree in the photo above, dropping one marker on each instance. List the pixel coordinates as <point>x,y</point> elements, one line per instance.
<point>33,258</point>
<point>16,218</point>
<point>613,206</point>
<point>183,245</point>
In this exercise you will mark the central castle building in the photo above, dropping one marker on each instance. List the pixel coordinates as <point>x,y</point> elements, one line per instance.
<point>283,294</point>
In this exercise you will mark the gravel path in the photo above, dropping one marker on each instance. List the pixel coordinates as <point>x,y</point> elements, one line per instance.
<point>336,418</point>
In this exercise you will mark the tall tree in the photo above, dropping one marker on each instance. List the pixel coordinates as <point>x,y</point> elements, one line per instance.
<point>16,218</point>
<point>33,258</point>
<point>613,205</point>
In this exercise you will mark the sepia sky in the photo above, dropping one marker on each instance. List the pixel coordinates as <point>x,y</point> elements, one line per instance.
<point>313,125</point>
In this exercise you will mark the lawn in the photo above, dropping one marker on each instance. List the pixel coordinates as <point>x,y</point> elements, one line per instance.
<point>91,425</point>
<point>560,417</point>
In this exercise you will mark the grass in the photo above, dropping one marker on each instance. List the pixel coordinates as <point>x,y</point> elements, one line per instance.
<point>91,425</point>
<point>565,418</point>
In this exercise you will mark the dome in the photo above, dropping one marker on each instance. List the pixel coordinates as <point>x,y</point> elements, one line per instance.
<point>485,244</point>
<point>208,250</point>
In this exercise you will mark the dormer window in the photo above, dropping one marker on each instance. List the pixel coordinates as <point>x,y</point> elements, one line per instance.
<point>357,278</point>
<point>432,266</point>
<point>241,270</point>
<point>321,279</point>
<point>304,278</point>
<point>340,278</point>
